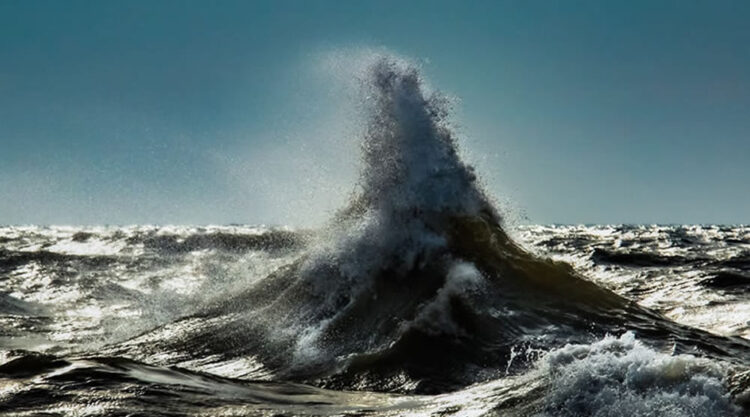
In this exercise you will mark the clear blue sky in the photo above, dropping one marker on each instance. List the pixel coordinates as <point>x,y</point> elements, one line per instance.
<point>209,112</point>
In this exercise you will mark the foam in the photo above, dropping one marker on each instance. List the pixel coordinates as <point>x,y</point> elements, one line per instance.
<point>463,278</point>
<point>411,179</point>
<point>410,168</point>
<point>622,377</point>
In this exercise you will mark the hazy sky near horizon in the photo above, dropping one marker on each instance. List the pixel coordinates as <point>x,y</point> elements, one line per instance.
<point>217,112</point>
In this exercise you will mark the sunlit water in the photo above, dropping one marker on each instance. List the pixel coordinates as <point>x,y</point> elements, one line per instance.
<point>414,299</point>
<point>70,292</point>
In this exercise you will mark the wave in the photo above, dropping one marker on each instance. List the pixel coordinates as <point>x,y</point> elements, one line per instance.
<point>414,285</point>
<point>621,376</point>
<point>611,376</point>
<point>10,305</point>
<point>267,241</point>
<point>643,259</point>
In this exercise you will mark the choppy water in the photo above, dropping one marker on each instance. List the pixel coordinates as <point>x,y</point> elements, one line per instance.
<point>413,300</point>
<point>75,294</point>
<point>693,274</point>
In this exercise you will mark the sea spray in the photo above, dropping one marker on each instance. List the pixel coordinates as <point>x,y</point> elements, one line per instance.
<point>413,287</point>
<point>619,376</point>
<point>411,181</point>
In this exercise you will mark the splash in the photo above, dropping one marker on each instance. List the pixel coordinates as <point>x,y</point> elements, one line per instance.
<point>622,377</point>
<point>412,286</point>
<point>411,183</point>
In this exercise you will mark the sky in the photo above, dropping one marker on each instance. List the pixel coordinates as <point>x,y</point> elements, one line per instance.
<point>176,112</point>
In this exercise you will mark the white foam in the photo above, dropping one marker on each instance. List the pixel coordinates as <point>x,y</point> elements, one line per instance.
<point>435,317</point>
<point>411,175</point>
<point>410,166</point>
<point>622,377</point>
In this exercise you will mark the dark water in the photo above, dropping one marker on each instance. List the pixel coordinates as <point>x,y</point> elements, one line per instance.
<point>413,300</point>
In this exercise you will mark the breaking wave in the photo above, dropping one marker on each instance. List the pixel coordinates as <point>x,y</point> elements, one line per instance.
<point>622,377</point>
<point>413,287</point>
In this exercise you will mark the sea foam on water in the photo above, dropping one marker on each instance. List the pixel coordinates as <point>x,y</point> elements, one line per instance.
<point>621,377</point>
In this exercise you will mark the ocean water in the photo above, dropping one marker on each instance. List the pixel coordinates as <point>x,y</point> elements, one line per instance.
<point>415,299</point>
